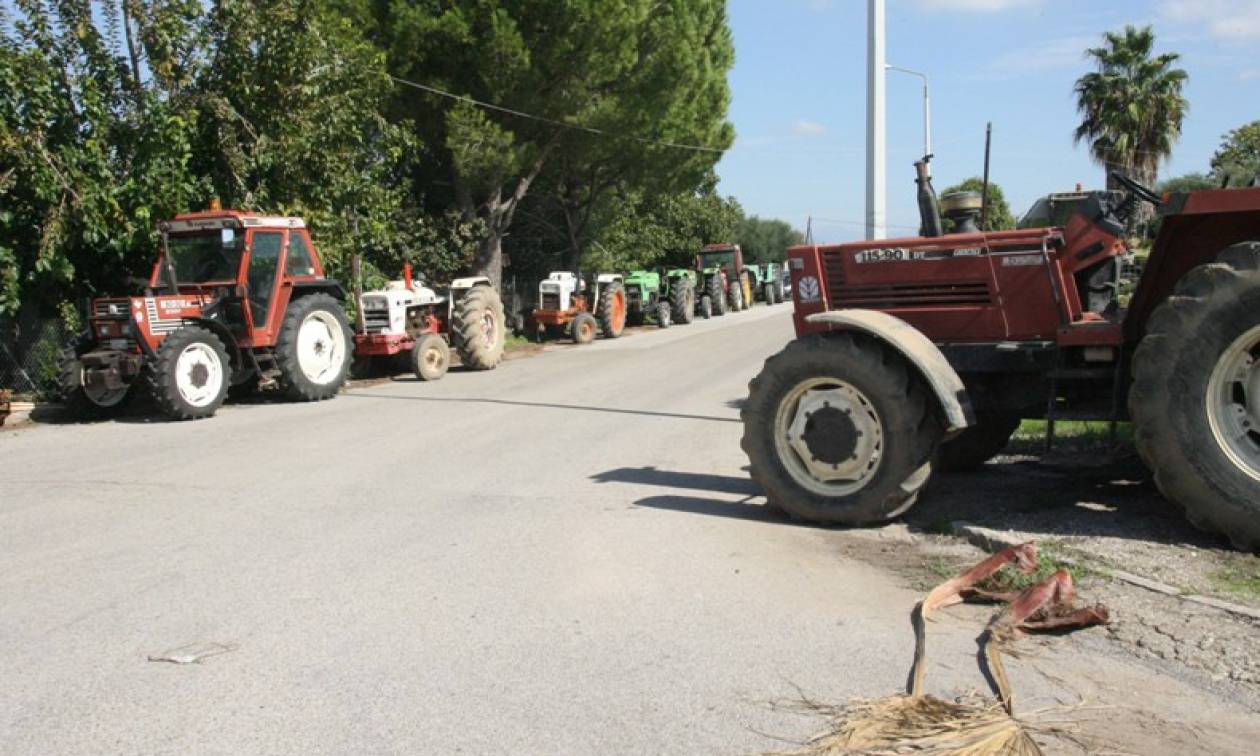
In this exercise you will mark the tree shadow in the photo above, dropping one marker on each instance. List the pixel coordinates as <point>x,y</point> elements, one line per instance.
<point>652,476</point>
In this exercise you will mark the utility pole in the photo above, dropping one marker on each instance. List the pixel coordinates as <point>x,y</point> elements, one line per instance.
<point>927,107</point>
<point>876,152</point>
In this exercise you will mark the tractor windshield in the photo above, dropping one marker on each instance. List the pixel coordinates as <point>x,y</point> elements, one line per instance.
<point>724,260</point>
<point>206,256</point>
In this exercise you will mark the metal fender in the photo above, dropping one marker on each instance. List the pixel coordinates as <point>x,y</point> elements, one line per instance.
<point>915,347</point>
<point>607,278</point>
<point>471,281</point>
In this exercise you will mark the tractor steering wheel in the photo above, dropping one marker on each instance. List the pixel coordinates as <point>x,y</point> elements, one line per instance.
<point>1140,191</point>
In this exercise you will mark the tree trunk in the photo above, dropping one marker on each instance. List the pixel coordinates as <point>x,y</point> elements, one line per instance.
<point>490,257</point>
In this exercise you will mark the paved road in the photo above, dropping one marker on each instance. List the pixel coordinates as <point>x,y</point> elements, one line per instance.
<point>561,556</point>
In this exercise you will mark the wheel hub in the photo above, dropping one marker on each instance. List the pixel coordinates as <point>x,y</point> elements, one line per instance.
<point>1233,402</point>
<point>835,434</point>
<point>199,374</point>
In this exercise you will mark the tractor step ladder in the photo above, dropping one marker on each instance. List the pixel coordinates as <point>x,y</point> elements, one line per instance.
<point>1115,374</point>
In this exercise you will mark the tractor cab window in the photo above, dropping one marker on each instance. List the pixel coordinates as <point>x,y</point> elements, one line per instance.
<point>724,260</point>
<point>205,256</point>
<point>298,260</point>
<point>264,264</point>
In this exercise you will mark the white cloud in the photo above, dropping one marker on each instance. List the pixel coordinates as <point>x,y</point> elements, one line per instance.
<point>1048,55</point>
<point>808,128</point>
<point>1231,20</point>
<point>976,6</point>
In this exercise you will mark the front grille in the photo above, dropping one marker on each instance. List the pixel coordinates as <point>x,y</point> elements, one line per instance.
<point>112,308</point>
<point>550,301</point>
<point>887,296</point>
<point>376,321</point>
<point>634,294</point>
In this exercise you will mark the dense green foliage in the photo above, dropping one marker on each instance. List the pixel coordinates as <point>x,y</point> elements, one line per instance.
<point>114,115</point>
<point>1132,106</point>
<point>998,216</point>
<point>1238,159</point>
<point>766,240</point>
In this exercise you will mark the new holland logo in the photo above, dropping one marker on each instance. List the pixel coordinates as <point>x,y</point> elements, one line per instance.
<point>809,289</point>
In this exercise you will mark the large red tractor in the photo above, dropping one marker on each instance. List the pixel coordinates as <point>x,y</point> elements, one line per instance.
<point>926,352</point>
<point>236,300</point>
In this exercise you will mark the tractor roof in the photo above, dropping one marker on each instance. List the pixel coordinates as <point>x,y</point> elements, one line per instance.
<point>719,247</point>
<point>212,219</point>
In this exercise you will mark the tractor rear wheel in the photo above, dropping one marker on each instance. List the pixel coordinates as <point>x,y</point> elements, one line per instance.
<point>478,328</point>
<point>584,328</point>
<point>612,310</point>
<point>1195,398</point>
<point>717,295</point>
<point>190,373</point>
<point>662,314</point>
<point>81,400</point>
<point>682,301</point>
<point>313,348</point>
<point>977,444</point>
<point>430,357</point>
<point>706,306</point>
<point>840,430</point>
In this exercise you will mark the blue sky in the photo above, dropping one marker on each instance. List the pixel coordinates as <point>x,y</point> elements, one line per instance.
<point>799,96</point>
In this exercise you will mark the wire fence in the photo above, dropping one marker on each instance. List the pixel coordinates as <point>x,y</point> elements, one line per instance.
<point>28,356</point>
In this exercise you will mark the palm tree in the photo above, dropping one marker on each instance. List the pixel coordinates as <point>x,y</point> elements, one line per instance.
<point>1131,107</point>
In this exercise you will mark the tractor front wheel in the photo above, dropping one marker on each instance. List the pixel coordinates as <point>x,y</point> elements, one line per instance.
<point>81,400</point>
<point>717,295</point>
<point>1195,398</point>
<point>584,328</point>
<point>478,328</point>
<point>706,306</point>
<point>663,314</point>
<point>313,348</point>
<point>190,374</point>
<point>840,430</point>
<point>430,357</point>
<point>682,301</point>
<point>737,297</point>
<point>977,444</point>
<point>612,310</point>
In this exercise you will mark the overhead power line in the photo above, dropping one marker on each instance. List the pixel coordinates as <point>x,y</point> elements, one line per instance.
<point>552,121</point>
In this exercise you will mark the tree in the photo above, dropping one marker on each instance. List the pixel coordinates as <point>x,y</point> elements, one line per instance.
<point>1189,182</point>
<point>765,239</point>
<point>1238,158</point>
<point>1131,107</point>
<point>570,63</point>
<point>998,216</point>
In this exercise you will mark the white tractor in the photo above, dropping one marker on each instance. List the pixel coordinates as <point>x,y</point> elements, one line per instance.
<point>565,303</point>
<point>409,318</point>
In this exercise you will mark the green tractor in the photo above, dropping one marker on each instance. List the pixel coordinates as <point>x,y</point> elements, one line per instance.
<point>668,297</point>
<point>769,285</point>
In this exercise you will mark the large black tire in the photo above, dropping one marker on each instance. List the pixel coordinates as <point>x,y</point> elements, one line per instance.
<point>663,314</point>
<point>682,301</point>
<point>767,294</point>
<point>478,328</point>
<point>706,306</point>
<point>886,485</point>
<point>1209,325</point>
<point>327,353</point>
<point>77,400</point>
<point>430,357</point>
<point>190,374</point>
<point>977,444</point>
<point>612,310</point>
<point>737,296</point>
<point>717,296</point>
<point>584,328</point>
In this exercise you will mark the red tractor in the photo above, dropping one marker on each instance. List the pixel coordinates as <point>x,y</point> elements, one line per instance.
<point>926,352</point>
<point>236,300</point>
<point>725,284</point>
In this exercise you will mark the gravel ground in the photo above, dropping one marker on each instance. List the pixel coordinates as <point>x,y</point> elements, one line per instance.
<point>1101,513</point>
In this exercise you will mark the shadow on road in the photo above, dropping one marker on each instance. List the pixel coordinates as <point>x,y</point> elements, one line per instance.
<point>544,405</point>
<point>736,510</point>
<point>652,476</point>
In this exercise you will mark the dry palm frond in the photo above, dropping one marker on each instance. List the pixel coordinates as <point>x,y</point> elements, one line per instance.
<point>924,725</point>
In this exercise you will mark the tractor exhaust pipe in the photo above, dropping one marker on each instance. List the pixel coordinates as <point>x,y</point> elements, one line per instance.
<point>929,207</point>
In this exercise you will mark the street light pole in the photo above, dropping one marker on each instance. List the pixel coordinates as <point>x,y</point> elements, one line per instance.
<point>927,107</point>
<point>876,157</point>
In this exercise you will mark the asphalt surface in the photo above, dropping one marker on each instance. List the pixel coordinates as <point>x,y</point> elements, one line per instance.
<point>562,556</point>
